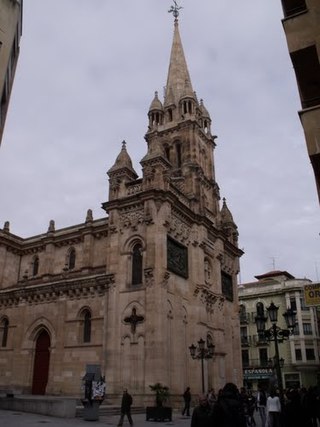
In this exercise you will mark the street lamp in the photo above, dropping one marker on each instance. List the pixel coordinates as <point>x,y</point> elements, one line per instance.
<point>276,334</point>
<point>202,352</point>
<point>272,362</point>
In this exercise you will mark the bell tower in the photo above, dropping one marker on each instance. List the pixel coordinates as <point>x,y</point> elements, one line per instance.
<point>179,131</point>
<point>171,248</point>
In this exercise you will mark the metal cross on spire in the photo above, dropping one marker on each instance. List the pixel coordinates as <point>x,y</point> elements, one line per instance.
<point>175,9</point>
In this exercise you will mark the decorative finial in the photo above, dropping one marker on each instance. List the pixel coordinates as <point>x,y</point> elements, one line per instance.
<point>124,144</point>
<point>175,9</point>
<point>89,217</point>
<point>51,227</point>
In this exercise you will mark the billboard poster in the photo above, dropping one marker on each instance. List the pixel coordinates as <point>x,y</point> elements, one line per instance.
<point>312,294</point>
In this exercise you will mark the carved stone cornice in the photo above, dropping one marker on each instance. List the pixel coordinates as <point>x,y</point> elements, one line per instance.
<point>62,237</point>
<point>91,286</point>
<point>209,298</point>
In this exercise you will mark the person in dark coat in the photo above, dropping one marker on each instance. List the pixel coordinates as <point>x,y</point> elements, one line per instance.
<point>187,401</point>
<point>126,403</point>
<point>228,411</point>
<point>293,414</point>
<point>201,415</point>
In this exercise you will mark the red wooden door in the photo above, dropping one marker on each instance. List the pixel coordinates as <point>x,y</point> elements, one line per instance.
<point>41,364</point>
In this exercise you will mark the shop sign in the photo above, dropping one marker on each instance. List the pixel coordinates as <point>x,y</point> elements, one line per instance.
<point>257,373</point>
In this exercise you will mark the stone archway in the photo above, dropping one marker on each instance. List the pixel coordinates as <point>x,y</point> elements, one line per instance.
<point>41,363</point>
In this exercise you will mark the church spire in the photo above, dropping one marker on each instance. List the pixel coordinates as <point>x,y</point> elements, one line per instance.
<point>178,81</point>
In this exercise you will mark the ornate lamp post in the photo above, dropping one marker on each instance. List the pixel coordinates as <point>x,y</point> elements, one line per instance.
<point>202,352</point>
<point>276,334</point>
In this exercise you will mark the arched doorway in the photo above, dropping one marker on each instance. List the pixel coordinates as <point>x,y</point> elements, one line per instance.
<point>41,363</point>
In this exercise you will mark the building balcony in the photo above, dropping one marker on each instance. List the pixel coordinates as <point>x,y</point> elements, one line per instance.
<point>244,318</point>
<point>260,339</point>
<point>255,364</point>
<point>245,341</point>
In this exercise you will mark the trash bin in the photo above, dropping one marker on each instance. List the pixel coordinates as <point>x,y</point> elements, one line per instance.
<point>91,410</point>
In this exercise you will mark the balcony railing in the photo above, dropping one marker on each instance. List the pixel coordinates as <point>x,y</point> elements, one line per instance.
<point>255,363</point>
<point>244,318</point>
<point>260,339</point>
<point>245,341</point>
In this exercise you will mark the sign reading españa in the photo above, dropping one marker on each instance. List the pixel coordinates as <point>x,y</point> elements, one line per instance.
<point>312,294</point>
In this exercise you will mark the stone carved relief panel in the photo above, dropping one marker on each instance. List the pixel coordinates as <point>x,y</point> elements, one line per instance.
<point>179,229</point>
<point>131,217</point>
<point>210,299</point>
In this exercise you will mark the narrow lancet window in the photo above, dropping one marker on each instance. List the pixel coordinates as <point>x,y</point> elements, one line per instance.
<point>137,264</point>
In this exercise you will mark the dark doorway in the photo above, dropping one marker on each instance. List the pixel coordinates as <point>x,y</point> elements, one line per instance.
<point>41,364</point>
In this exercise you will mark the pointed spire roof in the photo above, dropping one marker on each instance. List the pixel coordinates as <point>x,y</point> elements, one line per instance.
<point>203,110</point>
<point>123,161</point>
<point>156,103</point>
<point>226,215</point>
<point>178,81</point>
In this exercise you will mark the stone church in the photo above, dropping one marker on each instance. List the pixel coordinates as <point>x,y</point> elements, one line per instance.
<point>133,290</point>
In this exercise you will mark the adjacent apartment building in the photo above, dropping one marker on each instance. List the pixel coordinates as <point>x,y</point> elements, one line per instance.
<point>300,352</point>
<point>301,24</point>
<point>10,33</point>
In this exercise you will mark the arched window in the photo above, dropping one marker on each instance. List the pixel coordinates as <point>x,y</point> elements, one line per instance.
<point>72,258</point>
<point>243,313</point>
<point>209,340</point>
<point>137,264</point>
<point>167,151</point>
<point>179,156</point>
<point>86,326</point>
<point>260,309</point>
<point>4,332</point>
<point>207,270</point>
<point>35,266</point>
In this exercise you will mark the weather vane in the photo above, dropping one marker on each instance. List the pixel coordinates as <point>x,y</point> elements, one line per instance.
<point>175,9</point>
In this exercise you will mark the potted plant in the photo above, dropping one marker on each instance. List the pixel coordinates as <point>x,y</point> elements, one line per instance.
<point>159,412</point>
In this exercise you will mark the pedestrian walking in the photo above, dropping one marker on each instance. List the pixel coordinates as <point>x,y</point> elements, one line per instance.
<point>261,405</point>
<point>251,406</point>
<point>212,398</point>
<point>292,411</point>
<point>273,410</point>
<point>228,411</point>
<point>126,403</point>
<point>201,415</point>
<point>187,400</point>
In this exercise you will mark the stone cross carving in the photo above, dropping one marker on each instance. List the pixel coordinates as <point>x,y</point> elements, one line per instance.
<point>134,319</point>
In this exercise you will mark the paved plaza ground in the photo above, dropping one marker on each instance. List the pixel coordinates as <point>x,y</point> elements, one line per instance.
<point>10,418</point>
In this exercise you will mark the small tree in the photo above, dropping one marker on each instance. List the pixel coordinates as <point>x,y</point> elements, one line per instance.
<point>162,393</point>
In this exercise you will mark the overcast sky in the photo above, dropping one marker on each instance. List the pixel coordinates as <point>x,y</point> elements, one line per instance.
<point>86,76</point>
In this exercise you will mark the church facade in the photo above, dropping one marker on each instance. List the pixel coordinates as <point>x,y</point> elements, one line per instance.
<point>131,291</point>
